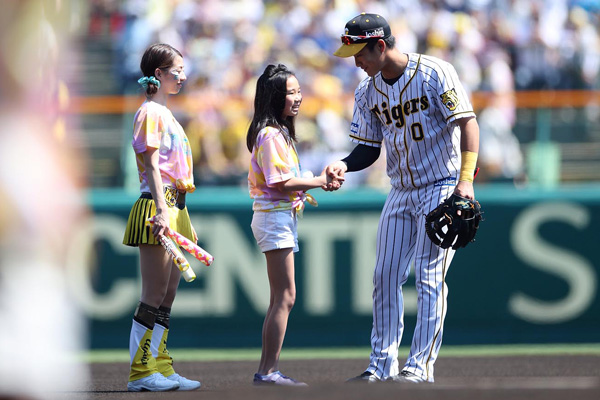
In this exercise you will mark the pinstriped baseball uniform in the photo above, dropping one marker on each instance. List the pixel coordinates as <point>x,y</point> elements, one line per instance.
<point>415,117</point>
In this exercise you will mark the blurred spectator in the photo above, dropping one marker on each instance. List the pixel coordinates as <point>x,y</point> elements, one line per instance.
<point>549,44</point>
<point>43,330</point>
<point>500,156</point>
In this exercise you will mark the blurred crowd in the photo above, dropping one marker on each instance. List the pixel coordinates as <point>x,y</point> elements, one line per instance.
<point>497,46</point>
<point>44,330</point>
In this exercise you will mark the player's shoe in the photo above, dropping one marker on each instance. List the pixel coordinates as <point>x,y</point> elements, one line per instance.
<point>153,383</point>
<point>405,377</point>
<point>276,378</point>
<point>184,383</point>
<point>365,377</point>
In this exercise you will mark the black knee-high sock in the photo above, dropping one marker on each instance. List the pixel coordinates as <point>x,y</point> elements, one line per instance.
<point>146,315</point>
<point>140,342</point>
<point>163,316</point>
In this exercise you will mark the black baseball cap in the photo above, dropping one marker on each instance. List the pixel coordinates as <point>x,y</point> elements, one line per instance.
<point>360,30</point>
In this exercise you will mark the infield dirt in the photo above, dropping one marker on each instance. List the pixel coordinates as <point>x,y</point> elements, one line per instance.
<point>516,377</point>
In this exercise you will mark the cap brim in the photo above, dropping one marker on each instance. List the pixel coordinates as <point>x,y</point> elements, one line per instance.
<point>348,50</point>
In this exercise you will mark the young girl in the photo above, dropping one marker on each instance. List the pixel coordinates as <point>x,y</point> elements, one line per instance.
<point>164,162</point>
<point>278,190</point>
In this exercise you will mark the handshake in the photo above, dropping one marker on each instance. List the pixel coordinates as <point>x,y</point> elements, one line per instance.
<point>334,175</point>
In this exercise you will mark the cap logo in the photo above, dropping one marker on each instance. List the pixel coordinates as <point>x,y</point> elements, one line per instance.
<point>361,30</point>
<point>375,32</point>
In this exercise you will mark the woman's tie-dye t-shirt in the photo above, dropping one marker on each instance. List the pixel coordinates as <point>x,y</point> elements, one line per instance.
<point>156,127</point>
<point>273,160</point>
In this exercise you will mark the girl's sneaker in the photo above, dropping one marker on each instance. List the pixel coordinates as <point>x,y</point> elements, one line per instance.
<point>276,378</point>
<point>153,383</point>
<point>184,383</point>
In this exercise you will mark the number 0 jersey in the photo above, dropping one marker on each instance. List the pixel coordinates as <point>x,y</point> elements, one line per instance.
<point>416,119</point>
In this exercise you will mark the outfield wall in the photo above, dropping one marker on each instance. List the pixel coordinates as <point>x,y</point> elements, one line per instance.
<point>531,276</point>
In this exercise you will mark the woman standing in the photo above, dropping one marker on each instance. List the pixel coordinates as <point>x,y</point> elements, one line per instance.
<point>278,189</point>
<point>164,162</point>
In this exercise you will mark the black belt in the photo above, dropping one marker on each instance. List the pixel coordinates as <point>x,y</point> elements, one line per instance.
<point>171,201</point>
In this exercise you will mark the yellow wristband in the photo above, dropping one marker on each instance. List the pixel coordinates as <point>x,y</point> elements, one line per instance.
<point>467,166</point>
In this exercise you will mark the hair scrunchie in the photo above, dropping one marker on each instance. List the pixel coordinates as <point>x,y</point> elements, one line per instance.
<point>148,79</point>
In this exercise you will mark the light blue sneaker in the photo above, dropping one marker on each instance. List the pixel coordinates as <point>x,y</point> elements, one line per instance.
<point>184,383</point>
<point>276,378</point>
<point>153,383</point>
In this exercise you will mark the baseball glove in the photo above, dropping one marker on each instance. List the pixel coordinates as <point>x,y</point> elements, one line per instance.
<point>454,222</point>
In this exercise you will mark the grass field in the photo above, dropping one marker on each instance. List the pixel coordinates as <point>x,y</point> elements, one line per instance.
<point>243,354</point>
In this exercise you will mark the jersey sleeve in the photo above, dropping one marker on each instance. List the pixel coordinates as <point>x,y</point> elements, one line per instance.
<point>366,126</point>
<point>147,129</point>
<point>452,98</point>
<point>275,159</point>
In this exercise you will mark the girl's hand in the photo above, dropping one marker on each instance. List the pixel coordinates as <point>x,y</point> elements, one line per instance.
<point>332,183</point>
<point>335,176</point>
<point>194,235</point>
<point>161,223</point>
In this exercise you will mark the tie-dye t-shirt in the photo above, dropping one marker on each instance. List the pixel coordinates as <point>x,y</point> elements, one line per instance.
<point>273,160</point>
<point>155,126</point>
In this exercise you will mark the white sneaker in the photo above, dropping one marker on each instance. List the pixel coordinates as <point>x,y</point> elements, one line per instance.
<point>276,378</point>
<point>184,383</point>
<point>405,377</point>
<point>153,383</point>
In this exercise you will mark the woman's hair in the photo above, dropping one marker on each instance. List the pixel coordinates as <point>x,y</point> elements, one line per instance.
<point>269,102</point>
<point>161,56</point>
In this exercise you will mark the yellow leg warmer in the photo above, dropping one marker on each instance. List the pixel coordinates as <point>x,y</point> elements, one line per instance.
<point>143,364</point>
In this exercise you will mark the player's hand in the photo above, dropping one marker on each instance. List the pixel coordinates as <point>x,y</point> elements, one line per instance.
<point>161,223</point>
<point>335,175</point>
<point>465,189</point>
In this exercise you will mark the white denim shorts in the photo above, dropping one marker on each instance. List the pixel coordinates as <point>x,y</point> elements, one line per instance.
<point>275,230</point>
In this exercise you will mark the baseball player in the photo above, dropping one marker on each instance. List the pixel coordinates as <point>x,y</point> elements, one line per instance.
<point>417,108</point>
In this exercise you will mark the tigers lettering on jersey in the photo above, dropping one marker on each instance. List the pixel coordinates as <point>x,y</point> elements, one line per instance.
<point>414,119</point>
<point>398,111</point>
